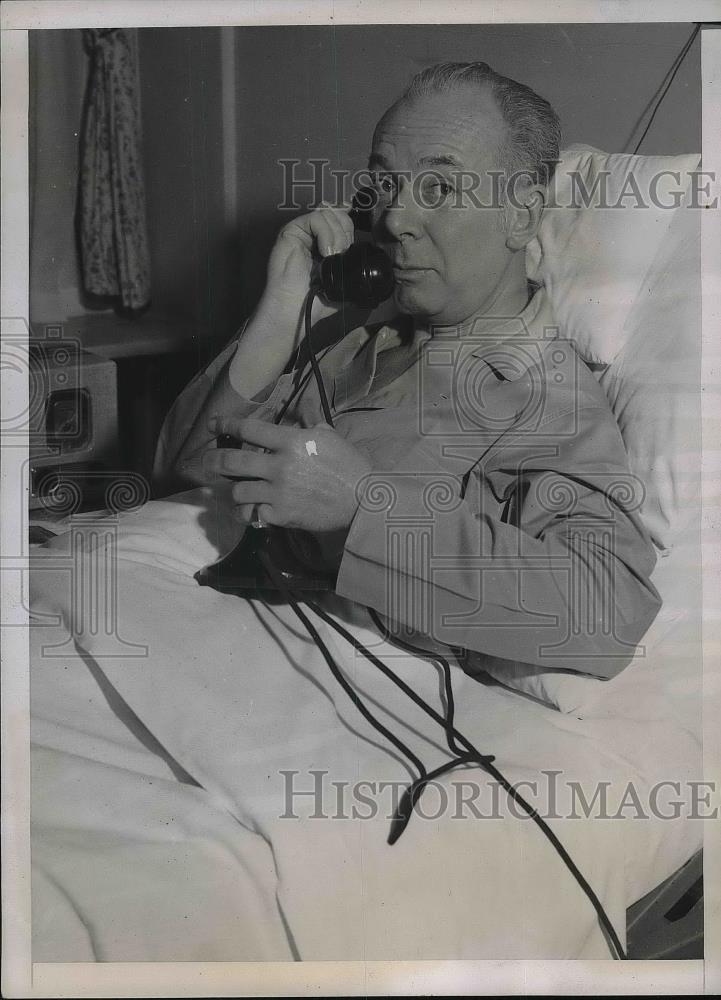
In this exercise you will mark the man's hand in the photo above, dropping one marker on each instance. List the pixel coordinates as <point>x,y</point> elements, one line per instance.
<point>275,328</point>
<point>304,479</point>
<point>320,233</point>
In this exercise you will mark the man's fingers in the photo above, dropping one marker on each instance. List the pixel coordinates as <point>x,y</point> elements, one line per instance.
<point>253,492</point>
<point>332,229</point>
<point>245,512</point>
<point>342,226</point>
<point>265,514</point>
<point>238,462</point>
<point>250,431</point>
<point>330,237</point>
<point>325,229</point>
<point>259,515</point>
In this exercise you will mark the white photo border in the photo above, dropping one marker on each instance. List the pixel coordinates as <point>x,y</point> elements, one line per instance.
<point>19,977</point>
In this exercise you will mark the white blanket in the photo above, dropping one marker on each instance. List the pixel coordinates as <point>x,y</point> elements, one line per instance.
<point>164,716</point>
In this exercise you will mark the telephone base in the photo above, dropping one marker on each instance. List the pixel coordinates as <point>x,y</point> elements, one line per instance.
<point>243,569</point>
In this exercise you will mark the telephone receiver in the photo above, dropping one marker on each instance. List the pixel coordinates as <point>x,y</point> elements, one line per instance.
<point>363,276</point>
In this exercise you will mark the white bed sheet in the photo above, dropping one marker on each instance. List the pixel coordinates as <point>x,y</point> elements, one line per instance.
<point>158,794</point>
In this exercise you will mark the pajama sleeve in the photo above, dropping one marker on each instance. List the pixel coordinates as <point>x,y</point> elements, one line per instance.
<point>554,573</point>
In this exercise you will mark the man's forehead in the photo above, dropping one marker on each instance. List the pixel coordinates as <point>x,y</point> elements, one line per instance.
<point>451,126</point>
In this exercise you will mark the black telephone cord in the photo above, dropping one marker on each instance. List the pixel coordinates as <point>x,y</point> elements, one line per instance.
<point>413,792</point>
<point>453,736</point>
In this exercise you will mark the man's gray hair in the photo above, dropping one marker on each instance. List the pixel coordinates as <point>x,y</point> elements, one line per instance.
<point>534,131</point>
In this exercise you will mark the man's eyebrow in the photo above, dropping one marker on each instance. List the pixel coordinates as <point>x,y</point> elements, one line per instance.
<point>378,160</point>
<point>442,160</point>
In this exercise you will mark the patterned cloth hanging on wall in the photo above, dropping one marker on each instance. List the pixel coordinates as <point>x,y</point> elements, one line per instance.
<point>113,231</point>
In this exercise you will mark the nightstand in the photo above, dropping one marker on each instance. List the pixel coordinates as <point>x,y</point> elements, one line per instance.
<point>155,357</point>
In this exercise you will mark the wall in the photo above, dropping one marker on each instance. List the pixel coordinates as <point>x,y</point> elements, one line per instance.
<point>180,72</point>
<point>57,83</point>
<point>303,92</point>
<point>318,91</point>
<point>180,88</point>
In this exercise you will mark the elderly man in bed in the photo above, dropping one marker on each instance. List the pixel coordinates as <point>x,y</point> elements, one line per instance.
<point>465,421</point>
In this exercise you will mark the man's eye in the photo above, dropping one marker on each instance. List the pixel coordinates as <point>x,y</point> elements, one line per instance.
<point>435,189</point>
<point>442,187</point>
<point>384,183</point>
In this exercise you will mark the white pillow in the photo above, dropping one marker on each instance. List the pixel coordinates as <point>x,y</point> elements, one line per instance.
<point>653,384</point>
<point>594,260</point>
<point>624,283</point>
<point>626,288</point>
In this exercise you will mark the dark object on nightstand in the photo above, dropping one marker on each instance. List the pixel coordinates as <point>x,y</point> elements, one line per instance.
<point>38,535</point>
<point>72,412</point>
<point>668,922</point>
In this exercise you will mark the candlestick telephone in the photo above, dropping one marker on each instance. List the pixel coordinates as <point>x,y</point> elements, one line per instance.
<point>363,276</point>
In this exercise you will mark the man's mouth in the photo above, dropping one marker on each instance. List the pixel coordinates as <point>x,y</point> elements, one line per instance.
<point>401,271</point>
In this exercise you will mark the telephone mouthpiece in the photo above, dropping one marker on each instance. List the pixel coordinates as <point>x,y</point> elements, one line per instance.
<point>363,276</point>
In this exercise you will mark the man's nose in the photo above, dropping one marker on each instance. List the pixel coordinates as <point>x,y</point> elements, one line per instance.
<point>401,217</point>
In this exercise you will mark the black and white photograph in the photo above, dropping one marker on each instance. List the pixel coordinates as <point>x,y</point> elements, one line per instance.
<point>360,499</point>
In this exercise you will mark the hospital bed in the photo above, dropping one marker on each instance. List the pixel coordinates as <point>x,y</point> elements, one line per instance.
<point>178,734</point>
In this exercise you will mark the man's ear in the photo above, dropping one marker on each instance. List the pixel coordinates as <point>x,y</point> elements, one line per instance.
<point>524,207</point>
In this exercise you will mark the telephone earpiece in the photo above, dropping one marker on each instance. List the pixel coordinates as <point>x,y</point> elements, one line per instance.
<point>363,275</point>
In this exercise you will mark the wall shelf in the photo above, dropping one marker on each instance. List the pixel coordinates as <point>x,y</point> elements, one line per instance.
<point>116,337</point>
